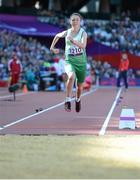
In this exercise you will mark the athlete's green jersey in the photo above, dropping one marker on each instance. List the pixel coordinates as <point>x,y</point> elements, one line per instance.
<point>75,56</point>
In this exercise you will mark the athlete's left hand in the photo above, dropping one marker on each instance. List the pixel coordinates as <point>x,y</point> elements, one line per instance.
<point>55,50</point>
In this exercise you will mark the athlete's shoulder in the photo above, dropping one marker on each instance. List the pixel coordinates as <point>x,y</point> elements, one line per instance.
<point>61,34</point>
<point>82,29</point>
<point>83,32</point>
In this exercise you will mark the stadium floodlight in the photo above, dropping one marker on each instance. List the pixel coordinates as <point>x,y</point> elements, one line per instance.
<point>37,5</point>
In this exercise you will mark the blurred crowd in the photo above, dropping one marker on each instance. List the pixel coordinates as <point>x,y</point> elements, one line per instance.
<point>43,70</point>
<point>120,32</point>
<point>39,65</point>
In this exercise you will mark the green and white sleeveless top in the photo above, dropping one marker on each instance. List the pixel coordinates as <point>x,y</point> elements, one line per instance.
<point>70,48</point>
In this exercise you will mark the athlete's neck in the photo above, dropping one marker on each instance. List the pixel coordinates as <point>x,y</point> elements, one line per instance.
<point>75,29</point>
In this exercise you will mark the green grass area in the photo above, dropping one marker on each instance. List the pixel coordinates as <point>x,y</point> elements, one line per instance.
<point>65,157</point>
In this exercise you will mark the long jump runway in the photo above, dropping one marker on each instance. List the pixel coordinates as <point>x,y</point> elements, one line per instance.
<point>99,115</point>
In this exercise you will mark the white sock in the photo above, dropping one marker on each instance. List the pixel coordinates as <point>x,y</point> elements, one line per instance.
<point>78,99</point>
<point>68,99</point>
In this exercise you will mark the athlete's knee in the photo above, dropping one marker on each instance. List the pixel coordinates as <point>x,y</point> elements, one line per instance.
<point>80,86</point>
<point>71,77</point>
<point>70,80</point>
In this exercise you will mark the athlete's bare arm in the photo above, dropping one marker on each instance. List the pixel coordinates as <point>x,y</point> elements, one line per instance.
<point>55,40</point>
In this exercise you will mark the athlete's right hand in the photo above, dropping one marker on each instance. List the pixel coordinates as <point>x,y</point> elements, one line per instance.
<point>55,50</point>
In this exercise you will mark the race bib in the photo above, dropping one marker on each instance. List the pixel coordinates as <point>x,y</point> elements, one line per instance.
<point>75,50</point>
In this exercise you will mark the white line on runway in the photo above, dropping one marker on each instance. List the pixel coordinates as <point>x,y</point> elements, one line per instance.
<point>45,110</point>
<point>104,127</point>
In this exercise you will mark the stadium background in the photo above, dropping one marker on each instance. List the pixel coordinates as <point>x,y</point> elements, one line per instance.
<point>31,19</point>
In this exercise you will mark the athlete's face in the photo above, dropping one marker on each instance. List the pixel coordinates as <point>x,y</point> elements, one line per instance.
<point>75,20</point>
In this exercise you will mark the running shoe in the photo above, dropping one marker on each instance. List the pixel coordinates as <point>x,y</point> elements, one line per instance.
<point>67,106</point>
<point>77,106</point>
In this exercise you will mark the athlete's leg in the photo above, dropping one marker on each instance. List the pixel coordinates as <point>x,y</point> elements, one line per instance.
<point>69,87</point>
<point>80,79</point>
<point>69,84</point>
<point>79,89</point>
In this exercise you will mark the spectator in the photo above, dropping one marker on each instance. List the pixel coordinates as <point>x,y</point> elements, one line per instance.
<point>15,69</point>
<point>123,68</point>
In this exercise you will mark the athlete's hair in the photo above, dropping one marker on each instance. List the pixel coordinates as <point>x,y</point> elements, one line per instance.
<point>76,14</point>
